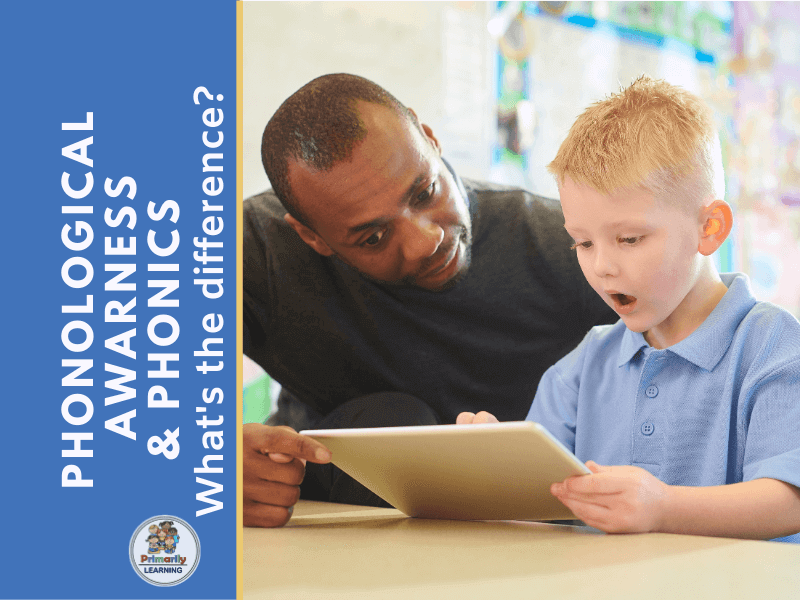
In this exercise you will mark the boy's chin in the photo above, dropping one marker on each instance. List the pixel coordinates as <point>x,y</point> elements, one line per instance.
<point>635,325</point>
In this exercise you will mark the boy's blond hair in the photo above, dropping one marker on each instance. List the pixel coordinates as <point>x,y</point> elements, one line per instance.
<point>651,135</point>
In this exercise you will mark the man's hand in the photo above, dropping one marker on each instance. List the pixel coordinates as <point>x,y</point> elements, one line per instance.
<point>615,499</point>
<point>468,418</point>
<point>274,465</point>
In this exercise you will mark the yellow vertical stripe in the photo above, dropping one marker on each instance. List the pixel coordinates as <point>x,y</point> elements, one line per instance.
<point>239,237</point>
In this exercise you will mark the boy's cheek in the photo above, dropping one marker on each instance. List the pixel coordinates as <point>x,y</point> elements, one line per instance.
<point>598,289</point>
<point>588,274</point>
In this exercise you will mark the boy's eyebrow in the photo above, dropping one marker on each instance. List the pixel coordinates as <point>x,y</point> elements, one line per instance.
<point>575,229</point>
<point>381,221</point>
<point>614,225</point>
<point>631,223</point>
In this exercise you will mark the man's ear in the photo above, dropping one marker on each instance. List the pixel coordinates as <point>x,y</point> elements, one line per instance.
<point>716,222</point>
<point>309,236</point>
<point>427,131</point>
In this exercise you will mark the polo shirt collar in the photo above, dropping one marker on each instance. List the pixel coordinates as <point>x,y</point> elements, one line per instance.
<point>632,342</point>
<point>706,346</point>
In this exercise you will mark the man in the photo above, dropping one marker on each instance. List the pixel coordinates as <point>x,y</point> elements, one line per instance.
<point>384,290</point>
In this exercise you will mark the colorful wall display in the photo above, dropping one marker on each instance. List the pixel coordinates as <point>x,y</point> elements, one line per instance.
<point>556,58</point>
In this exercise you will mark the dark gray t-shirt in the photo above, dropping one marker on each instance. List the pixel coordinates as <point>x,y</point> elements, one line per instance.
<point>328,335</point>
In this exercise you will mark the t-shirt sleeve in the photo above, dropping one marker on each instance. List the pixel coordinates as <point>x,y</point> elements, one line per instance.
<point>772,446</point>
<point>555,405</point>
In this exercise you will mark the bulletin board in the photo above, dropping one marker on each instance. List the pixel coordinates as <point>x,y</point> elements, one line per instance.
<point>742,58</point>
<point>557,58</point>
<point>763,169</point>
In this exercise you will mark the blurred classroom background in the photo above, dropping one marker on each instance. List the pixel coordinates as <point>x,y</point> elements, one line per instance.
<point>501,82</point>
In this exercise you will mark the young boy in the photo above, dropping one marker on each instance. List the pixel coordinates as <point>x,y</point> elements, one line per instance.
<point>697,388</point>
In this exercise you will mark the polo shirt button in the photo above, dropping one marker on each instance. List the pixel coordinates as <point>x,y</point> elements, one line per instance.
<point>651,391</point>
<point>648,428</point>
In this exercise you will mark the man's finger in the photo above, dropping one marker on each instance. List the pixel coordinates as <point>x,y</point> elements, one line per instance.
<point>265,515</point>
<point>263,468</point>
<point>281,440</point>
<point>280,458</point>
<point>271,492</point>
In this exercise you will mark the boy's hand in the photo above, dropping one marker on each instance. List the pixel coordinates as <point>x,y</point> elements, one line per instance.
<point>615,499</point>
<point>468,418</point>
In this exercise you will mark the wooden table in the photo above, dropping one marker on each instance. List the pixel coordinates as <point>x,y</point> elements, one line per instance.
<point>340,551</point>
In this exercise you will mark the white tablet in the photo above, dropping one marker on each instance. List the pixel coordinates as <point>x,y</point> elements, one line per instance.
<point>486,471</point>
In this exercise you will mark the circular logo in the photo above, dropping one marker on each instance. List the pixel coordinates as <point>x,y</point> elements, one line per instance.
<point>165,550</point>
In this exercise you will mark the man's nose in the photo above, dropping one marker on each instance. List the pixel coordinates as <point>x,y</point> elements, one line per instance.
<point>604,262</point>
<point>421,238</point>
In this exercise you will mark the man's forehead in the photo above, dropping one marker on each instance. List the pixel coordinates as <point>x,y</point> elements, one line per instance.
<point>386,157</point>
<point>379,122</point>
<point>349,200</point>
<point>374,116</point>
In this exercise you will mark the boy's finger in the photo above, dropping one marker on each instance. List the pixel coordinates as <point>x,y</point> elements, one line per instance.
<point>592,466</point>
<point>589,485</point>
<point>595,468</point>
<point>591,514</point>
<point>465,418</point>
<point>581,502</point>
<point>485,417</point>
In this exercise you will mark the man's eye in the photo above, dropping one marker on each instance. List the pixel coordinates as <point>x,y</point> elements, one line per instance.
<point>427,194</point>
<point>584,245</point>
<point>374,239</point>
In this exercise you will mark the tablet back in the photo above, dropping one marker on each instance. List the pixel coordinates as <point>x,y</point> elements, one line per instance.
<point>488,471</point>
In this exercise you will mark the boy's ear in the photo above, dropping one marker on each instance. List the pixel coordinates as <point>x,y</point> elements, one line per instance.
<point>309,236</point>
<point>716,222</point>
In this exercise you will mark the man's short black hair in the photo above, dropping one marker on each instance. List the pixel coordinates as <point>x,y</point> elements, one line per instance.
<point>319,124</point>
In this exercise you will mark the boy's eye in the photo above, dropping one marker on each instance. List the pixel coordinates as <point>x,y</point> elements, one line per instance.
<point>585,245</point>
<point>427,193</point>
<point>631,240</point>
<point>374,239</point>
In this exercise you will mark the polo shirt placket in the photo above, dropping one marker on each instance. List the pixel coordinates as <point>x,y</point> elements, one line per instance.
<point>648,426</point>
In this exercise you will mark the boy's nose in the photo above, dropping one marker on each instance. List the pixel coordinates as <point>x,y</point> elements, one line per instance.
<point>421,238</point>
<point>604,264</point>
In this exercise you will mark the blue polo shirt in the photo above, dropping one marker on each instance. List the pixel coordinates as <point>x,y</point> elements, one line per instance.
<point>721,406</point>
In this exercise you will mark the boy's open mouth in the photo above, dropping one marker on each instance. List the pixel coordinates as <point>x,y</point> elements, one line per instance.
<point>623,303</point>
<point>623,299</point>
